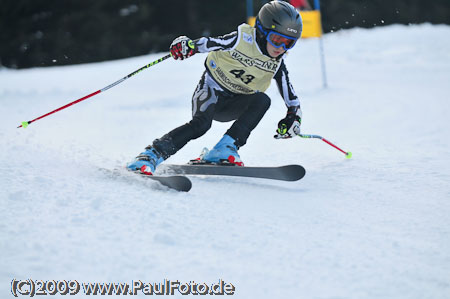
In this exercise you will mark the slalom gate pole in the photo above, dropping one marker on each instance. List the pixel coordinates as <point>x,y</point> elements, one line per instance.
<point>348,155</point>
<point>321,51</point>
<point>26,123</point>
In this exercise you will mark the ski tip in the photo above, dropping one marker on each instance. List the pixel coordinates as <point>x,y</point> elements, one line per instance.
<point>294,172</point>
<point>184,184</point>
<point>188,186</point>
<point>176,182</point>
<point>348,155</point>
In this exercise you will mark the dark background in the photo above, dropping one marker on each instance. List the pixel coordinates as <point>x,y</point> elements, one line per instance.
<point>58,32</point>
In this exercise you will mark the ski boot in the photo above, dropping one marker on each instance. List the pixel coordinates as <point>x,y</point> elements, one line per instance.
<point>147,161</point>
<point>224,152</point>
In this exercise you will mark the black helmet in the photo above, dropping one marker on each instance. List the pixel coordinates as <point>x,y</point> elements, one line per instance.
<point>281,17</point>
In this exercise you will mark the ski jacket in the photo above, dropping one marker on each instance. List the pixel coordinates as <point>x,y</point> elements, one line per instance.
<point>238,65</point>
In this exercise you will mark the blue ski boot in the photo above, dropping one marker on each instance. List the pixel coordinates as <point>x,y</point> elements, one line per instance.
<point>224,152</point>
<point>147,161</point>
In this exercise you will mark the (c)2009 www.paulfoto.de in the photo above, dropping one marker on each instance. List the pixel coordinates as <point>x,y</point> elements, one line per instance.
<point>30,287</point>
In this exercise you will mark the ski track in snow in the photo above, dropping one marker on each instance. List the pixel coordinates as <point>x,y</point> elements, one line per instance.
<point>374,226</point>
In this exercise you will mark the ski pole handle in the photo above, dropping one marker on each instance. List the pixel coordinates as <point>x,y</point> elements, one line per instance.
<point>26,123</point>
<point>348,155</point>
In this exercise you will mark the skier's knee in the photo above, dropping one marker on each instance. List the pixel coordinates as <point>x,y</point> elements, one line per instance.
<point>202,129</point>
<point>200,126</point>
<point>264,101</point>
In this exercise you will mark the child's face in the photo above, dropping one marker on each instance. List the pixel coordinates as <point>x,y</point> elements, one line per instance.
<point>274,52</point>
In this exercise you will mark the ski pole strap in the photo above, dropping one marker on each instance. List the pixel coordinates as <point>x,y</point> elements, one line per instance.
<point>25,124</point>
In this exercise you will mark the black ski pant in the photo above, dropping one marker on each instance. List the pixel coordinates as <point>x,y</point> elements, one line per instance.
<point>210,102</point>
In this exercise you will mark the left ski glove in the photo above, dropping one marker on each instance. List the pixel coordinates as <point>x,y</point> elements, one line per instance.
<point>289,126</point>
<point>183,47</point>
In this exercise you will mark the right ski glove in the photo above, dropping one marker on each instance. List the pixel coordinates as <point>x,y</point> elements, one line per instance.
<point>289,126</point>
<point>183,47</point>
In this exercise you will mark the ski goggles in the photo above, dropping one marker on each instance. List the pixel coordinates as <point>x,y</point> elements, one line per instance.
<point>277,39</point>
<point>280,40</point>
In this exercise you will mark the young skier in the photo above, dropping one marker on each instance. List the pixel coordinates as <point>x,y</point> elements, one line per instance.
<point>239,68</point>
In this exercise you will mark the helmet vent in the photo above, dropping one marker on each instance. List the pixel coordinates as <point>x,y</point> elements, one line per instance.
<point>276,22</point>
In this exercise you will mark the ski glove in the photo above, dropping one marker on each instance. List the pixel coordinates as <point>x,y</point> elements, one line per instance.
<point>289,126</point>
<point>183,47</point>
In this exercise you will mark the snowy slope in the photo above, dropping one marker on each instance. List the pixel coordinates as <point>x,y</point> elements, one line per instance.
<point>375,226</point>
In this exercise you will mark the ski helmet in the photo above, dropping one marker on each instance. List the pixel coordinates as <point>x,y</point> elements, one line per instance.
<point>281,17</point>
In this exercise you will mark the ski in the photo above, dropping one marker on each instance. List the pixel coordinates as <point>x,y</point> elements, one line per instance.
<point>282,173</point>
<point>175,182</point>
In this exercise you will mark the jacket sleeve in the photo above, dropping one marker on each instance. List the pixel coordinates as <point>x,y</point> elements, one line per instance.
<point>287,91</point>
<point>224,42</point>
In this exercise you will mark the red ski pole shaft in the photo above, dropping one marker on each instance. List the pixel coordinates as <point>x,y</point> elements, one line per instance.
<point>347,154</point>
<point>26,123</point>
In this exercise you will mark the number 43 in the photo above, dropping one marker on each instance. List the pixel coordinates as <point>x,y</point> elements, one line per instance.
<point>241,75</point>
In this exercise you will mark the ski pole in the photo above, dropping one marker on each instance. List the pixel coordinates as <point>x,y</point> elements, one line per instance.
<point>348,155</point>
<point>26,123</point>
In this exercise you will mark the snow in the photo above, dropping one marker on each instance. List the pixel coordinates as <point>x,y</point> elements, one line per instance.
<point>374,226</point>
